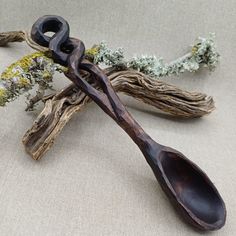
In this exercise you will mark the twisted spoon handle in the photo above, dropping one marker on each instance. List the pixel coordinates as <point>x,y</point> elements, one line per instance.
<point>70,52</point>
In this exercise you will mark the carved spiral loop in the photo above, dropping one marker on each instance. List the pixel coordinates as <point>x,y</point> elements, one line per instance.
<point>70,52</point>
<point>58,41</point>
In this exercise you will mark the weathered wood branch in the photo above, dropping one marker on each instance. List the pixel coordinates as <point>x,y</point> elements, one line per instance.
<point>63,105</point>
<point>20,36</point>
<point>11,36</point>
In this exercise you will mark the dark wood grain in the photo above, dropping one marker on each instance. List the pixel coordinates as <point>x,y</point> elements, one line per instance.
<point>187,186</point>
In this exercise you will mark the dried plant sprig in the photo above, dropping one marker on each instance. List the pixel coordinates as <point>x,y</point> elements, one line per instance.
<point>203,53</point>
<point>22,75</point>
<point>102,54</point>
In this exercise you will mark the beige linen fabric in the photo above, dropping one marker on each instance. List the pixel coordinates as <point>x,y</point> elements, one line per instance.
<point>95,181</point>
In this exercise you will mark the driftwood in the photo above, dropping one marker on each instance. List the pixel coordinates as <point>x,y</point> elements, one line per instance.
<point>62,106</point>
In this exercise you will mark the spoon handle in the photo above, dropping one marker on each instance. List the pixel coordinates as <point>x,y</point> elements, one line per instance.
<point>70,52</point>
<point>111,104</point>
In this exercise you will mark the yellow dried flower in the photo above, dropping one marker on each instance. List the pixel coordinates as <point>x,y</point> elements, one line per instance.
<point>194,50</point>
<point>2,92</point>
<point>47,76</point>
<point>92,51</point>
<point>3,96</point>
<point>24,82</point>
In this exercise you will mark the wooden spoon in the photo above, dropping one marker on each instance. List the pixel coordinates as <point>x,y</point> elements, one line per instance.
<point>187,186</point>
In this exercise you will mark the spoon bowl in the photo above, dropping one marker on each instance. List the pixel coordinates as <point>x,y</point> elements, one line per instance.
<point>189,188</point>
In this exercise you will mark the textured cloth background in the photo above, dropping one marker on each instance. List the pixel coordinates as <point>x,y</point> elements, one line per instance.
<point>95,181</point>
